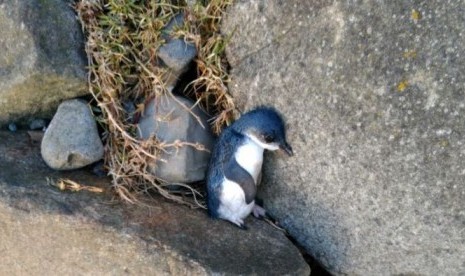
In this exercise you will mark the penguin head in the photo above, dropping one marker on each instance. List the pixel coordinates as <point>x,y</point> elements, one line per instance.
<point>265,126</point>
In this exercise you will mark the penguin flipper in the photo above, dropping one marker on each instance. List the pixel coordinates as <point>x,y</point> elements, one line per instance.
<point>234,172</point>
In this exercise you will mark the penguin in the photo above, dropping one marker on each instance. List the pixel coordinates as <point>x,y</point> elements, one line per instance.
<point>236,163</point>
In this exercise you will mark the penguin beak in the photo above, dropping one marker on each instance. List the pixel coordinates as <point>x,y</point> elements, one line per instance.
<point>286,148</point>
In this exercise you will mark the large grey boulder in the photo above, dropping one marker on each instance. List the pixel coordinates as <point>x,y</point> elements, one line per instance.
<point>47,231</point>
<point>42,60</point>
<point>71,141</point>
<point>374,99</point>
<point>171,120</point>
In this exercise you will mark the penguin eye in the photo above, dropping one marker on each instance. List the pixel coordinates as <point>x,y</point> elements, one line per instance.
<point>268,138</point>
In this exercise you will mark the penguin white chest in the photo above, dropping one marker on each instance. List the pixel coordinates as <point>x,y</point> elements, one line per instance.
<point>250,157</point>
<point>233,206</point>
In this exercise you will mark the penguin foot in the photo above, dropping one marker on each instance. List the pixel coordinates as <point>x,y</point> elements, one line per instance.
<point>239,223</point>
<point>243,227</point>
<point>258,212</point>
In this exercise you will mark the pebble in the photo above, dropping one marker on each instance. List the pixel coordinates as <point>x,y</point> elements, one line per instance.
<point>12,127</point>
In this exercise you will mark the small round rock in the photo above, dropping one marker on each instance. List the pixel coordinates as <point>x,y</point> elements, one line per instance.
<point>12,127</point>
<point>72,140</point>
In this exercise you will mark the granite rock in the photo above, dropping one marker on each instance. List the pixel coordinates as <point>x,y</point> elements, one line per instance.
<point>48,231</point>
<point>373,95</point>
<point>42,61</point>
<point>169,120</point>
<point>72,141</point>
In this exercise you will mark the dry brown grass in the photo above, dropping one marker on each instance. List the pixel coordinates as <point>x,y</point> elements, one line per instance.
<point>123,37</point>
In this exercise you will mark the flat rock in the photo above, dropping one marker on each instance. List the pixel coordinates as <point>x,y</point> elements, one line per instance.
<point>71,141</point>
<point>374,99</point>
<point>169,120</point>
<point>42,61</point>
<point>60,232</point>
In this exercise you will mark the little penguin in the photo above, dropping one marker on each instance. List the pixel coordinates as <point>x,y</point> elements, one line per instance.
<point>236,164</point>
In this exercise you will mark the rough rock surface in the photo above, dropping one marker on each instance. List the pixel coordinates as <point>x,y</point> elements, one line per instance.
<point>71,140</point>
<point>45,230</point>
<point>169,120</point>
<point>42,60</point>
<point>373,93</point>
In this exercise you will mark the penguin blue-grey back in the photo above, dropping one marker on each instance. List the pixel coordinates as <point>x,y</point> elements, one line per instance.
<point>236,163</point>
